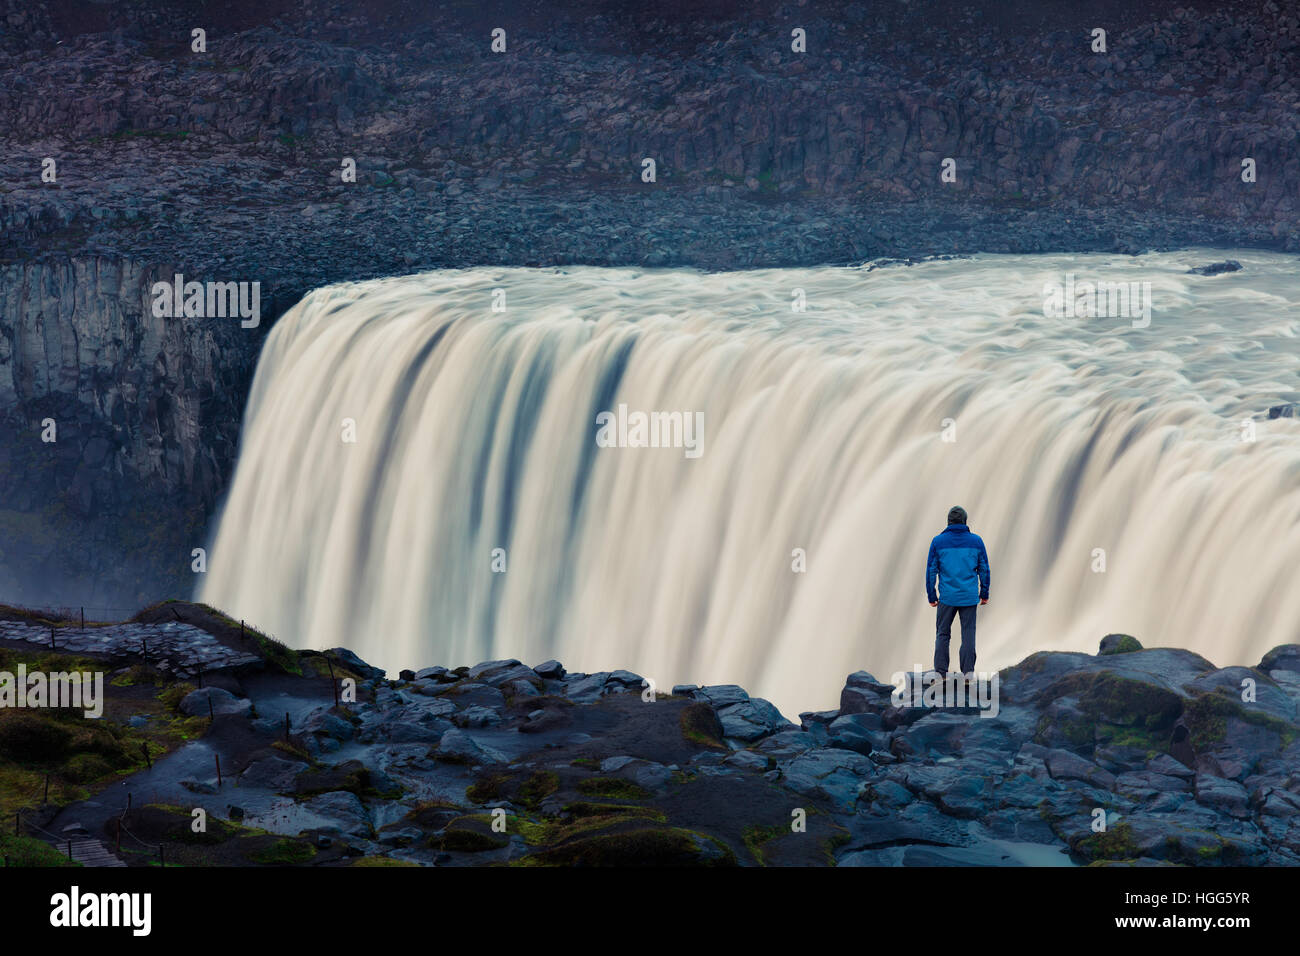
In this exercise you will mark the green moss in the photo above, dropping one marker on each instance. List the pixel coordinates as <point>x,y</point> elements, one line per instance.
<point>645,847</point>
<point>1125,645</point>
<point>470,835</point>
<point>1079,733</point>
<point>613,788</point>
<point>84,768</point>
<point>285,852</point>
<point>1115,710</point>
<point>292,749</point>
<point>1207,713</point>
<point>700,725</point>
<point>33,736</point>
<point>533,833</point>
<point>585,808</point>
<point>1034,663</point>
<point>755,836</point>
<point>1211,852</point>
<point>351,775</point>
<point>833,842</point>
<point>136,675</point>
<point>537,788</point>
<point>172,696</point>
<point>1116,843</point>
<point>29,851</point>
<point>486,789</point>
<point>587,818</point>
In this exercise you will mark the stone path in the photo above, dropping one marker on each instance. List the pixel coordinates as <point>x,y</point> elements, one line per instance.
<point>173,647</point>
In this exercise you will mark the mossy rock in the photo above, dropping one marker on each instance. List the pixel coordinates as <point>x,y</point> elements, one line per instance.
<point>487,788</point>
<point>613,788</point>
<point>1208,712</point>
<point>172,696</point>
<point>586,808</point>
<point>351,775</point>
<point>431,815</point>
<point>1107,697</point>
<point>164,823</point>
<point>1117,843</point>
<point>1118,644</point>
<point>286,851</point>
<point>701,726</point>
<point>471,834</point>
<point>537,788</point>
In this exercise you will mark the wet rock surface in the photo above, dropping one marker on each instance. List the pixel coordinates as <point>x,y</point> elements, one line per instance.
<point>1185,763</point>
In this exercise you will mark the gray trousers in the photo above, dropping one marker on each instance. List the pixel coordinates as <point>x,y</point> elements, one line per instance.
<point>943,634</point>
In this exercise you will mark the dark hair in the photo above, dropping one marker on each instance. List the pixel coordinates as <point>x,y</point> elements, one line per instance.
<point>957,515</point>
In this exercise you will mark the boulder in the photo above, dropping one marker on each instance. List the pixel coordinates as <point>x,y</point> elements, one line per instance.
<point>862,693</point>
<point>224,703</point>
<point>1118,644</point>
<point>477,717</point>
<point>1284,657</point>
<point>551,670</point>
<point>356,664</point>
<point>1065,765</point>
<point>459,746</point>
<point>342,811</point>
<point>722,695</point>
<point>750,719</point>
<point>1225,796</point>
<point>830,772</point>
<point>1216,268</point>
<point>747,760</point>
<point>272,773</point>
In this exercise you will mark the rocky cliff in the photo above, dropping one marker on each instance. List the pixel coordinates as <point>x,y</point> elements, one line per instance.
<point>118,427</point>
<point>1130,756</point>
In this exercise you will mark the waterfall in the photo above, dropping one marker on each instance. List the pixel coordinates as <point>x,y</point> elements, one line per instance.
<point>400,431</point>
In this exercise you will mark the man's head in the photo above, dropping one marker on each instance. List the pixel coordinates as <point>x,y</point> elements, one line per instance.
<point>957,515</point>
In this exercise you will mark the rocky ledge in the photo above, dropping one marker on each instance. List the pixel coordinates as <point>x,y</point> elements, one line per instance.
<point>1135,756</point>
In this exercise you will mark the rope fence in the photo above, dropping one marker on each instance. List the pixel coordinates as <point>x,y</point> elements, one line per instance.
<point>65,841</point>
<point>85,613</point>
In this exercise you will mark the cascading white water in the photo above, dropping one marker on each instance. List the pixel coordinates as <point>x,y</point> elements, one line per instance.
<point>823,431</point>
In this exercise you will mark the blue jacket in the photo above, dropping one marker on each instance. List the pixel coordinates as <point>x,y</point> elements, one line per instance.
<point>959,559</point>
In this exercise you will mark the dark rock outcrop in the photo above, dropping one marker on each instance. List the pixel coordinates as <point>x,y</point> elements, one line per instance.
<point>1184,762</point>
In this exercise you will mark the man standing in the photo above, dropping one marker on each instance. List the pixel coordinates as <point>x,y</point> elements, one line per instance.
<point>959,563</point>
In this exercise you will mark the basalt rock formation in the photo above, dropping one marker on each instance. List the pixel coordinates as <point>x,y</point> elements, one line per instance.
<point>505,763</point>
